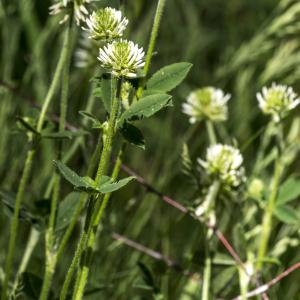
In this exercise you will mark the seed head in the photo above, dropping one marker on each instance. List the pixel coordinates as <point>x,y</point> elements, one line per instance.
<point>225,163</point>
<point>207,103</point>
<point>106,24</point>
<point>277,100</point>
<point>122,58</point>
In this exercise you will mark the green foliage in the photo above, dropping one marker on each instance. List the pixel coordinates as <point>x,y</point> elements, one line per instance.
<point>169,77</point>
<point>145,107</point>
<point>87,184</point>
<point>238,59</point>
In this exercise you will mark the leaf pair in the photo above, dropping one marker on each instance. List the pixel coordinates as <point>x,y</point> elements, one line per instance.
<point>87,184</point>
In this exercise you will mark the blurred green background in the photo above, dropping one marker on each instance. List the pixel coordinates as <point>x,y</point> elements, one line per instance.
<point>236,45</point>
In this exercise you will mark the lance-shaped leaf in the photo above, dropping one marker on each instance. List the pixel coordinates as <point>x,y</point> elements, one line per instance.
<point>80,183</point>
<point>87,184</point>
<point>169,77</point>
<point>109,186</point>
<point>145,107</point>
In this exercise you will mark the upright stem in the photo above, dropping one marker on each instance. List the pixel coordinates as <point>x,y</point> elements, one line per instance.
<point>15,222</point>
<point>85,239</point>
<point>211,132</point>
<point>55,82</point>
<point>31,243</point>
<point>154,32</point>
<point>51,255</point>
<point>211,199</point>
<point>267,218</point>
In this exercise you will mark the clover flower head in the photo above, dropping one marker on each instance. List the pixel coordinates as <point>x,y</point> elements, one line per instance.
<point>207,103</point>
<point>67,6</point>
<point>122,58</point>
<point>225,163</point>
<point>106,24</point>
<point>277,100</point>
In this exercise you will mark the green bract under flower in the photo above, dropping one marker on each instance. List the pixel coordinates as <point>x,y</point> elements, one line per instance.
<point>277,100</point>
<point>122,58</point>
<point>207,103</point>
<point>224,163</point>
<point>66,7</point>
<point>106,24</point>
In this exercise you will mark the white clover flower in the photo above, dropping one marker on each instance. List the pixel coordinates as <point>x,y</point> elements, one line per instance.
<point>122,58</point>
<point>106,24</point>
<point>67,6</point>
<point>207,103</point>
<point>224,163</point>
<point>277,100</point>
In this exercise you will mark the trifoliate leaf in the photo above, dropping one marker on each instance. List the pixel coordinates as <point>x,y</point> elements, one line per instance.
<point>87,184</point>
<point>169,77</point>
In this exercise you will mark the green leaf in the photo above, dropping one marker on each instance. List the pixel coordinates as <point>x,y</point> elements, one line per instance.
<point>27,126</point>
<point>108,186</point>
<point>133,135</point>
<point>9,199</point>
<point>80,183</point>
<point>289,191</point>
<point>87,184</point>
<point>66,210</point>
<point>145,107</point>
<point>169,77</point>
<point>286,214</point>
<point>96,122</point>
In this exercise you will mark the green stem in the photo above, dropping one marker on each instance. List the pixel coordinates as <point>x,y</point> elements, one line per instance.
<point>206,277</point>
<point>210,199</point>
<point>154,32</point>
<point>31,243</point>
<point>267,218</point>
<point>55,82</point>
<point>211,132</point>
<point>15,221</point>
<point>98,211</point>
<point>51,254</point>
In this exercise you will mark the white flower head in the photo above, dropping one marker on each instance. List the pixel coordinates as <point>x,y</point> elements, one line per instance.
<point>277,100</point>
<point>224,163</point>
<point>122,58</point>
<point>106,24</point>
<point>207,103</point>
<point>79,8</point>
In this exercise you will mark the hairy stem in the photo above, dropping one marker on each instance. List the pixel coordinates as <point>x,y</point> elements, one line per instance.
<point>267,218</point>
<point>15,222</point>
<point>51,255</point>
<point>55,82</point>
<point>154,32</point>
<point>210,199</point>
